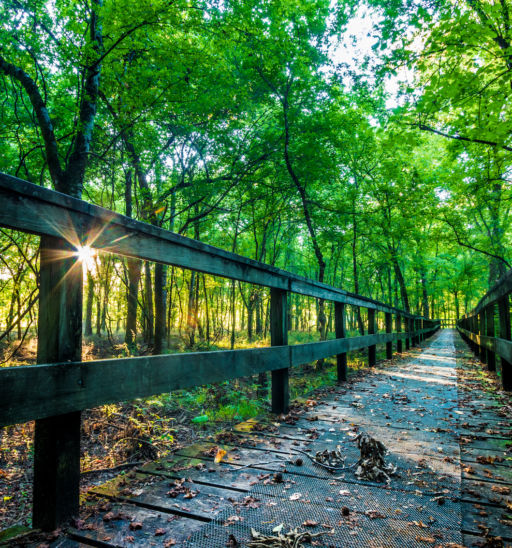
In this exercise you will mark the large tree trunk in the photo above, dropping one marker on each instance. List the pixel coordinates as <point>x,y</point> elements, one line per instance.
<point>355,272</point>
<point>321,319</point>
<point>401,284</point>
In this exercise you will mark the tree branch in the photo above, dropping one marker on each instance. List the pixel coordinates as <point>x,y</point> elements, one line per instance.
<point>43,118</point>
<point>424,127</point>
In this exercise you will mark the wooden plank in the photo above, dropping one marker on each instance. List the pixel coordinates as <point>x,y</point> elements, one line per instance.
<point>115,529</point>
<point>341,359</point>
<point>305,353</point>
<point>279,337</point>
<point>57,438</point>
<point>33,392</point>
<point>39,391</point>
<point>502,288</point>
<point>38,210</point>
<point>501,347</point>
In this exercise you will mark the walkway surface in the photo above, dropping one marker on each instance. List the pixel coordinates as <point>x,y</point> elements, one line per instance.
<point>444,426</point>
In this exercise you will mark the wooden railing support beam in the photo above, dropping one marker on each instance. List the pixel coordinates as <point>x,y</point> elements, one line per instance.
<point>372,329</point>
<point>490,332</point>
<point>389,329</point>
<point>504,315</point>
<point>341,359</point>
<point>57,439</point>
<point>279,337</point>
<point>482,329</point>
<point>399,343</point>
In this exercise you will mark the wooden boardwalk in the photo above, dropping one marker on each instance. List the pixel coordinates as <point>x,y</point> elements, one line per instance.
<point>447,436</point>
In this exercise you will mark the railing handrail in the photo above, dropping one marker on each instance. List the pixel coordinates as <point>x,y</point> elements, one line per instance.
<point>501,288</point>
<point>21,198</point>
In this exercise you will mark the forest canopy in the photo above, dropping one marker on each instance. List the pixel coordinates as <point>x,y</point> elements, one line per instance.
<point>365,145</point>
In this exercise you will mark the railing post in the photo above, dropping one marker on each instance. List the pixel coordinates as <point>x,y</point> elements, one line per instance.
<point>372,330</point>
<point>483,350</point>
<point>399,330</point>
<point>389,329</point>
<point>490,332</point>
<point>57,439</point>
<point>407,333</point>
<point>339,324</point>
<point>474,329</point>
<point>506,366</point>
<point>279,337</point>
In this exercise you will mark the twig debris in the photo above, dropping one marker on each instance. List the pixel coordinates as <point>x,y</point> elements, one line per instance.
<point>372,466</point>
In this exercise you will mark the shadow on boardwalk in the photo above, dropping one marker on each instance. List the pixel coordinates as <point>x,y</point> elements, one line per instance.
<point>446,435</point>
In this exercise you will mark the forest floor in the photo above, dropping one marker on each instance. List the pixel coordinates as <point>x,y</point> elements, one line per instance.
<point>121,436</point>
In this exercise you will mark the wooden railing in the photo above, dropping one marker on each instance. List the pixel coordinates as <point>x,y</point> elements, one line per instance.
<point>55,391</point>
<point>488,341</point>
<point>448,323</point>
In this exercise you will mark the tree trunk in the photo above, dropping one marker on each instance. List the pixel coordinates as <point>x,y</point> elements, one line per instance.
<point>148,298</point>
<point>401,284</point>
<point>132,294</point>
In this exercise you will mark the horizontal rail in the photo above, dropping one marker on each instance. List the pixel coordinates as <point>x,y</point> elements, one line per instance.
<point>40,391</point>
<point>499,290</point>
<point>501,347</point>
<point>35,209</point>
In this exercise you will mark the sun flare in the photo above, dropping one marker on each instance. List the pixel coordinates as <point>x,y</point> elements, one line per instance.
<point>86,255</point>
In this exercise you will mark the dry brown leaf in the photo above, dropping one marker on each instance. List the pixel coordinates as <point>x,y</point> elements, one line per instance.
<point>429,540</point>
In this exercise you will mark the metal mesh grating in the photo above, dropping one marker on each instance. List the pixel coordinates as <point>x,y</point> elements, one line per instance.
<point>355,530</point>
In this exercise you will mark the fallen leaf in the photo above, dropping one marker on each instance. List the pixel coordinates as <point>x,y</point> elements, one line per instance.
<point>501,490</point>
<point>232,520</point>
<point>295,496</point>
<point>430,540</point>
<point>221,453</point>
<point>310,523</point>
<point>170,542</point>
<point>160,532</point>
<point>135,525</point>
<point>373,514</point>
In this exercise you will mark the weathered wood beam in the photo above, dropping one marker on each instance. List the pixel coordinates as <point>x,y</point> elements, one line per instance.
<point>279,337</point>
<point>39,391</point>
<point>501,347</point>
<point>57,438</point>
<point>505,333</point>
<point>372,329</point>
<point>340,328</point>
<point>38,210</point>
